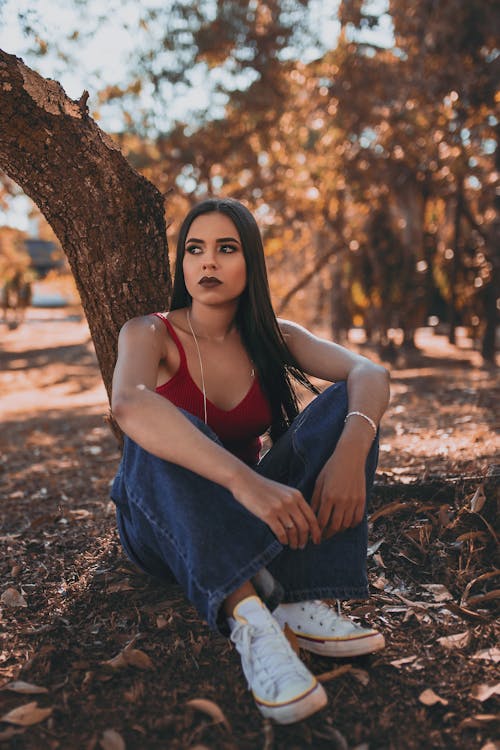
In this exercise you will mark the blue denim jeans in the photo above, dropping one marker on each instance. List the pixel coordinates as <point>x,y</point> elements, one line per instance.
<point>173,521</point>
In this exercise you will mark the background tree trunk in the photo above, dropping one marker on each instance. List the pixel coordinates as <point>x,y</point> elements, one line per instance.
<point>109,219</point>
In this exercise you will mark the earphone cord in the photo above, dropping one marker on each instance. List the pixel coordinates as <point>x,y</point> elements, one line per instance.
<point>201,365</point>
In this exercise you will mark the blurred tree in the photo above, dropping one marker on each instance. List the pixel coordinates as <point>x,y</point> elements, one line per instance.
<point>370,169</point>
<point>423,118</point>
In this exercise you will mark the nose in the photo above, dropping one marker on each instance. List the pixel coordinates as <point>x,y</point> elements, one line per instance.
<point>209,261</point>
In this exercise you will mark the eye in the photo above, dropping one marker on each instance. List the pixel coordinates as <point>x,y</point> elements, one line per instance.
<point>228,249</point>
<point>193,249</point>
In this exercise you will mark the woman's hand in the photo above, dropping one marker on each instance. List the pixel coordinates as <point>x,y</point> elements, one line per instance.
<point>339,495</point>
<point>281,507</point>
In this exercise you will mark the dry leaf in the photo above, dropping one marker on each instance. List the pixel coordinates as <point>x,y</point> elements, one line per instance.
<point>478,500</point>
<point>12,598</point>
<point>25,716</point>
<point>374,547</point>
<point>489,654</point>
<point>389,510</point>
<point>457,640</point>
<point>484,691</point>
<point>399,662</point>
<point>334,673</point>
<point>439,592</point>
<point>119,586</point>
<point>361,675</point>
<point>111,740</point>
<point>9,732</point>
<point>211,709</point>
<point>430,698</point>
<point>380,583</point>
<point>479,720</point>
<point>132,657</point>
<point>79,513</point>
<point>18,686</point>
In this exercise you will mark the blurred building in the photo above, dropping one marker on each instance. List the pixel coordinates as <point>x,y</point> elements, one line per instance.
<point>45,256</point>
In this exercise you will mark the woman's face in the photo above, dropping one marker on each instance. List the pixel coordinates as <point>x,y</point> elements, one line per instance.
<point>214,265</point>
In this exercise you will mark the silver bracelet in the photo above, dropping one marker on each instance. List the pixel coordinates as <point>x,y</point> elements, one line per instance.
<point>365,416</point>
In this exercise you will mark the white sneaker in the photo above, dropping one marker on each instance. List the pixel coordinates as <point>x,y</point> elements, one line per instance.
<point>282,686</point>
<point>323,631</point>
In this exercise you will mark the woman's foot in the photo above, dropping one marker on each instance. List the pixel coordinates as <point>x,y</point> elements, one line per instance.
<point>282,686</point>
<point>323,631</point>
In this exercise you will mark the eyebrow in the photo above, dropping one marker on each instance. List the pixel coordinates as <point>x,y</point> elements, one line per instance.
<point>220,239</point>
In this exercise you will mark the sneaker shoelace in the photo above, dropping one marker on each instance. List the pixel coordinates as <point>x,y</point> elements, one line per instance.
<point>265,653</point>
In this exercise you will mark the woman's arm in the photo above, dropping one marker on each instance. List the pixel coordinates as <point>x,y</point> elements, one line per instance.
<point>339,496</point>
<point>162,429</point>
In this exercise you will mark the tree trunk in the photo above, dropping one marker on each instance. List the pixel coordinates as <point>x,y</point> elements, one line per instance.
<point>456,260</point>
<point>492,291</point>
<point>109,219</point>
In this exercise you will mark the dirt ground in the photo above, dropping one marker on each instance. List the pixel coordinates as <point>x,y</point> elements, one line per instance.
<point>96,655</point>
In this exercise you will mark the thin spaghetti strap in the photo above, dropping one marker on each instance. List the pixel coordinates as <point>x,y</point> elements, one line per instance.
<point>174,336</point>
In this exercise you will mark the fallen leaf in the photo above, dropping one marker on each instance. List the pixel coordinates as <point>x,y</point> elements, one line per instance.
<point>334,673</point>
<point>457,640</point>
<point>478,720</point>
<point>25,716</point>
<point>119,586</point>
<point>361,675</point>
<point>478,499</point>
<point>132,657</point>
<point>78,514</point>
<point>489,654</point>
<point>430,698</point>
<point>380,583</point>
<point>389,510</point>
<point>439,592</point>
<point>9,732</point>
<point>211,709</point>
<point>480,598</point>
<point>374,547</point>
<point>484,691</point>
<point>12,598</point>
<point>111,740</point>
<point>18,686</point>
<point>406,660</point>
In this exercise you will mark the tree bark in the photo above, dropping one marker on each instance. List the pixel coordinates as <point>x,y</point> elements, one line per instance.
<point>109,219</point>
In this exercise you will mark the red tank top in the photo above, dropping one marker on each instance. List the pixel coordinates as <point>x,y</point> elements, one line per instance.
<point>239,429</point>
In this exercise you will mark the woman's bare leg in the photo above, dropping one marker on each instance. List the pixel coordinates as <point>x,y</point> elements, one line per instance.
<point>237,596</point>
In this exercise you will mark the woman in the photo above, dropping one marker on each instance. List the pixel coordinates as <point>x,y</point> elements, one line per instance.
<point>193,391</point>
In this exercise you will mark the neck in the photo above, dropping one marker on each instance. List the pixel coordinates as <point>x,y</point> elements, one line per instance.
<point>212,323</point>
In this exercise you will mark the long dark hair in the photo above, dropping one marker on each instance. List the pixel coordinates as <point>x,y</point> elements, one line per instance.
<point>255,317</point>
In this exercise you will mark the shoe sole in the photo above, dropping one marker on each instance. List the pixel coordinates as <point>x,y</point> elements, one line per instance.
<point>296,710</point>
<point>343,648</point>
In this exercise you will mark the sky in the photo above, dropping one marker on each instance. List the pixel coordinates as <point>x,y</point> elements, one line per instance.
<point>102,57</point>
